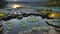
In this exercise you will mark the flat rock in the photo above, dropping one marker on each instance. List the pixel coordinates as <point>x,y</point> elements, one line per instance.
<point>52,32</point>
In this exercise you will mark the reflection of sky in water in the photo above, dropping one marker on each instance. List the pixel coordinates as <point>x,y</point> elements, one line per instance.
<point>29,0</point>
<point>17,27</point>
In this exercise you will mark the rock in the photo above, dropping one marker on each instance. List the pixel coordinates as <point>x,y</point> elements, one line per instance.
<point>52,32</point>
<point>20,33</point>
<point>45,33</point>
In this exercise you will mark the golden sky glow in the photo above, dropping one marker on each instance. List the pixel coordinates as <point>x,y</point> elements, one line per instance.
<point>16,6</point>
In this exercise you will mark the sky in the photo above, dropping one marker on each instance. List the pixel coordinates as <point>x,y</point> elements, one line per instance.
<point>29,0</point>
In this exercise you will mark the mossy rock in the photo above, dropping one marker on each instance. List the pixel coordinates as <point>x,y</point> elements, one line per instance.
<point>56,20</point>
<point>22,22</point>
<point>23,25</point>
<point>7,31</point>
<point>32,19</point>
<point>45,28</point>
<point>9,23</point>
<point>34,28</point>
<point>9,28</point>
<point>56,23</point>
<point>44,12</point>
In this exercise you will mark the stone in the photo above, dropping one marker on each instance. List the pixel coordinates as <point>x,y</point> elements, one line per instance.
<point>52,32</point>
<point>20,33</point>
<point>45,33</point>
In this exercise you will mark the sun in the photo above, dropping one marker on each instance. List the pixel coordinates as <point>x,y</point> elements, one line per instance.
<point>15,6</point>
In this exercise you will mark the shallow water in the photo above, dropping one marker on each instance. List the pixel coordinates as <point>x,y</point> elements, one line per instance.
<point>17,27</point>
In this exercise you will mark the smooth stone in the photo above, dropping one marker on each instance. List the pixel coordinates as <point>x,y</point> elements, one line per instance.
<point>20,33</point>
<point>57,29</point>
<point>1,28</point>
<point>52,32</point>
<point>25,32</point>
<point>51,27</point>
<point>39,28</point>
<point>45,33</point>
<point>29,30</point>
<point>50,21</point>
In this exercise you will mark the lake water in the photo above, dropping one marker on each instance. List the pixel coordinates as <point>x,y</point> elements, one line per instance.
<point>17,27</point>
